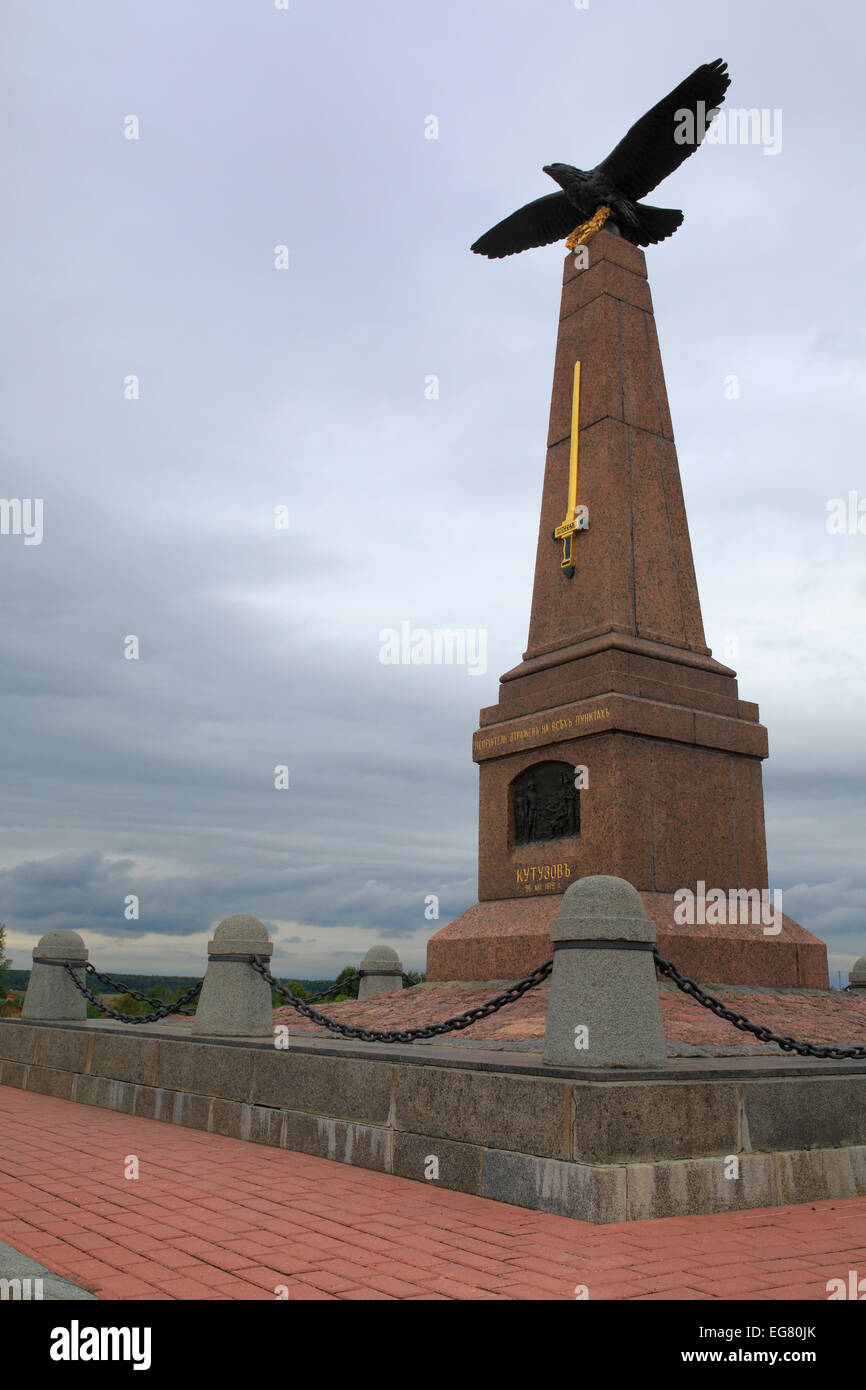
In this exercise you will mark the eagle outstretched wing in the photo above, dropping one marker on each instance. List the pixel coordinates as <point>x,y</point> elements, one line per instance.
<point>649,151</point>
<point>539,223</point>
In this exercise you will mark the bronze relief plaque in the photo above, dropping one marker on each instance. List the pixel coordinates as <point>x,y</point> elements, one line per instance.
<point>545,803</point>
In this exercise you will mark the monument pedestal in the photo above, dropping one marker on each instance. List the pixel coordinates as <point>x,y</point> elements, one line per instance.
<point>507,938</point>
<point>619,745</point>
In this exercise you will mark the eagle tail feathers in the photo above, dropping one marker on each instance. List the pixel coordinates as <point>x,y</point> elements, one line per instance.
<point>654,224</point>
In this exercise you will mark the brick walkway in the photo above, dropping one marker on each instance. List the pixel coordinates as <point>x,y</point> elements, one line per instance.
<point>217,1218</point>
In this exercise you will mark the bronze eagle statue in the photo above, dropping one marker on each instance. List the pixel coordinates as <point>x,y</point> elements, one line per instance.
<point>654,147</point>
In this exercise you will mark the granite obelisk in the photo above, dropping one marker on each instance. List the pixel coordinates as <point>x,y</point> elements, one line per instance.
<point>619,745</point>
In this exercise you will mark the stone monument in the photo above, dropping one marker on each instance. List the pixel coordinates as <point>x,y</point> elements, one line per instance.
<point>619,745</point>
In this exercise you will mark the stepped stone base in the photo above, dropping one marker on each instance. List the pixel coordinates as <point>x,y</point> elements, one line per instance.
<point>507,938</point>
<point>599,1146</point>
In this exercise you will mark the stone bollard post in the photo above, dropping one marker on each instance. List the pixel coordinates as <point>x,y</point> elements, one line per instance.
<point>382,971</point>
<point>857,976</point>
<point>604,980</point>
<point>235,1002</point>
<point>51,993</point>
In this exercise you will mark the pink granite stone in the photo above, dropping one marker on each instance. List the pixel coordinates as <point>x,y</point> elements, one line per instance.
<point>617,678</point>
<point>507,939</point>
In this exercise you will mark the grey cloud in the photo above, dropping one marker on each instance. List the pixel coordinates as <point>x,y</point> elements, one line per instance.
<point>306,389</point>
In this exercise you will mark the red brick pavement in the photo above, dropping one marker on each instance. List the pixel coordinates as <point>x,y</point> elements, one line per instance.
<point>832,1017</point>
<point>216,1218</point>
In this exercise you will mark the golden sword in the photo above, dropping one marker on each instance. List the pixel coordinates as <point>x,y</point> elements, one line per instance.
<point>565,532</point>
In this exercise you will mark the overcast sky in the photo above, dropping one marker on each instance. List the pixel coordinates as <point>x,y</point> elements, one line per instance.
<point>305,388</point>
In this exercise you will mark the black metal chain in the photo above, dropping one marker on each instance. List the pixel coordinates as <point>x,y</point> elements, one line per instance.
<point>336,988</point>
<point>120,988</point>
<point>460,1021</point>
<point>433,1030</point>
<point>709,1001</point>
<point>162,1010</point>
<point>408,983</point>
